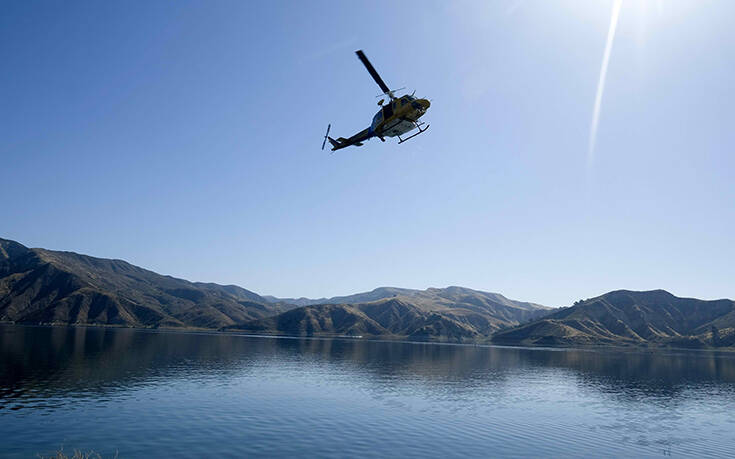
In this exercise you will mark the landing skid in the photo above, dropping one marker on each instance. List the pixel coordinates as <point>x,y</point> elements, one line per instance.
<point>421,131</point>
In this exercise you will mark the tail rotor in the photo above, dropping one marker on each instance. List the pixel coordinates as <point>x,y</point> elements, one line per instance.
<point>326,136</point>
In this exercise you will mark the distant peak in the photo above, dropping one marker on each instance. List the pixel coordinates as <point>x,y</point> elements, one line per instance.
<point>8,243</point>
<point>9,249</point>
<point>656,292</point>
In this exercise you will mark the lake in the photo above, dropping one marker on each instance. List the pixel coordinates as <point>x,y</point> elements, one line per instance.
<point>151,394</point>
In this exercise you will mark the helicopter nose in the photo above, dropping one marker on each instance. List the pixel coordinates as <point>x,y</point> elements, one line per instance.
<point>424,103</point>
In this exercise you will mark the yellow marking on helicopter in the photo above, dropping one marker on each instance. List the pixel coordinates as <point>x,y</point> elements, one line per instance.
<point>399,116</point>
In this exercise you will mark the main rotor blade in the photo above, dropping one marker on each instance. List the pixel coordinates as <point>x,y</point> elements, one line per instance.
<point>373,73</point>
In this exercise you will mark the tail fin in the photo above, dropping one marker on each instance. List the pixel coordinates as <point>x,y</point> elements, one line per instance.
<point>336,143</point>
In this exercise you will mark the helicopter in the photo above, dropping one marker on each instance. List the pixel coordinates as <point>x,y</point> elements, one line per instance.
<point>396,117</point>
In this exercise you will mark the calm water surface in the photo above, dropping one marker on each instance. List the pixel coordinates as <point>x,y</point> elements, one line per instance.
<point>191,395</point>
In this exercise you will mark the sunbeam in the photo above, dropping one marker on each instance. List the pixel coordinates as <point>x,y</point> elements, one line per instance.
<point>601,82</point>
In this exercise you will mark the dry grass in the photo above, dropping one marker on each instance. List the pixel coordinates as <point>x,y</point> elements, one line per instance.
<point>77,454</point>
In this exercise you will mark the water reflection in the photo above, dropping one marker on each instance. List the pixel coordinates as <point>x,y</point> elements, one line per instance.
<point>48,361</point>
<point>206,394</point>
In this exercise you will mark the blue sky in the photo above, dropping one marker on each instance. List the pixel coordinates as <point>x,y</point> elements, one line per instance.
<point>184,137</point>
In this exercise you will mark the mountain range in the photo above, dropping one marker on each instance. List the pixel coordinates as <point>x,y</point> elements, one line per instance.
<point>66,288</point>
<point>54,287</point>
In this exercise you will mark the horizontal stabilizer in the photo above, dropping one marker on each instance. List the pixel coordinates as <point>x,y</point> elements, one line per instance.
<point>356,140</point>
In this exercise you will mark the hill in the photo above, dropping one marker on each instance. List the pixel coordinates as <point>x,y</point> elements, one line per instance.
<point>45,286</point>
<point>451,314</point>
<point>485,311</point>
<point>632,318</point>
<point>386,318</point>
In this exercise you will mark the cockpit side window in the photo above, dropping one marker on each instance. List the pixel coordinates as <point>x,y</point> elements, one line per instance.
<point>377,118</point>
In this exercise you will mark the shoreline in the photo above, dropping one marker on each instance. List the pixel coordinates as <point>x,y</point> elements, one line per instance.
<point>651,348</point>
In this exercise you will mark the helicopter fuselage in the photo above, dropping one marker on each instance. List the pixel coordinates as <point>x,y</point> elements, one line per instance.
<point>398,116</point>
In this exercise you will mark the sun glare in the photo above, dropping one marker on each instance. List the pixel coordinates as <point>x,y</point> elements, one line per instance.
<point>614,15</point>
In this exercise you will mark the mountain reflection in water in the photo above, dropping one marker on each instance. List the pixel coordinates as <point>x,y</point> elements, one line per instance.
<point>156,393</point>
